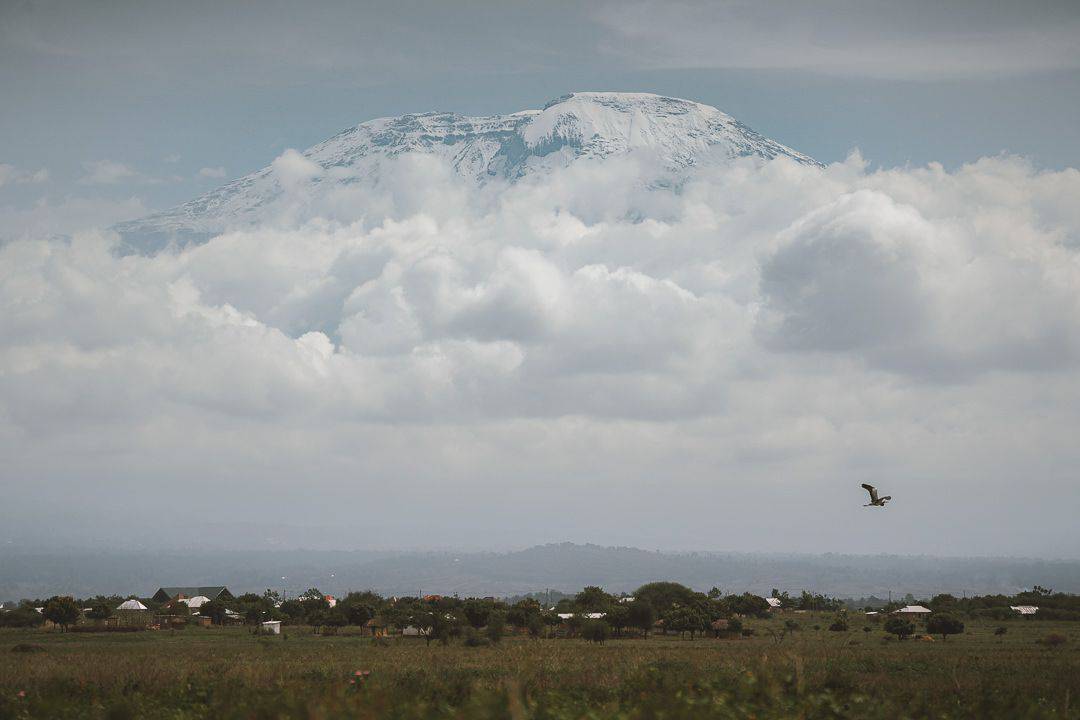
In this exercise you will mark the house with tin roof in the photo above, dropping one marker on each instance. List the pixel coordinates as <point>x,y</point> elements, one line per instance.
<point>215,592</point>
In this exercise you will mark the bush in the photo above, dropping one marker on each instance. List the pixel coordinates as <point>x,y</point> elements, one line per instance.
<point>496,628</point>
<point>840,625</point>
<point>21,617</point>
<point>596,631</point>
<point>61,610</point>
<point>899,627</point>
<point>944,625</point>
<point>1001,630</point>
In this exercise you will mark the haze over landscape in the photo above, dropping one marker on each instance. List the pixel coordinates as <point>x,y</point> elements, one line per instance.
<point>540,292</point>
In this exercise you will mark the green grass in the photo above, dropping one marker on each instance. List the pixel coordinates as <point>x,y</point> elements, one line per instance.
<point>229,673</point>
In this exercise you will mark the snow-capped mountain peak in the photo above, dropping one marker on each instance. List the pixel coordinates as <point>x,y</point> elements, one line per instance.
<point>579,126</point>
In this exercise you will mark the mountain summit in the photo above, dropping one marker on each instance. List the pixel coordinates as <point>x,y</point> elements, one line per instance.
<point>586,125</point>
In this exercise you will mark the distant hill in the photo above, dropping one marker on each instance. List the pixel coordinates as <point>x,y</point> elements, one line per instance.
<point>565,566</point>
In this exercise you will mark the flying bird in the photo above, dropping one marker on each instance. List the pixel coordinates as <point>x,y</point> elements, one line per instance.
<point>875,501</point>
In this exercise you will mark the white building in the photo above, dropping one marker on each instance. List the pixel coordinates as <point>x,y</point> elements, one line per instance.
<point>913,610</point>
<point>587,616</point>
<point>131,604</point>
<point>1025,609</point>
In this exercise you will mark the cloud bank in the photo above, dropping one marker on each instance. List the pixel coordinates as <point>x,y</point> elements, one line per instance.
<point>570,357</point>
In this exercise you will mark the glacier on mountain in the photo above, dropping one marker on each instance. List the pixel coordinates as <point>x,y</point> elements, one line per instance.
<point>676,134</point>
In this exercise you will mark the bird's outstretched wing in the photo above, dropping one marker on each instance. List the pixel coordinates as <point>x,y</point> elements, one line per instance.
<point>873,492</point>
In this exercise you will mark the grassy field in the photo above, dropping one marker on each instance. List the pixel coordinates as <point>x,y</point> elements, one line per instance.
<point>229,673</point>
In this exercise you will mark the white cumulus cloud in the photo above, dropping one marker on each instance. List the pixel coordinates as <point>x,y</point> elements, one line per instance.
<point>758,332</point>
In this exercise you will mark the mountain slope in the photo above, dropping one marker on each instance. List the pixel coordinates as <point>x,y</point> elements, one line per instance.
<point>679,134</point>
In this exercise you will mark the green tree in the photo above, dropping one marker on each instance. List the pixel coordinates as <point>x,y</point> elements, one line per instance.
<point>641,615</point>
<point>521,612</point>
<point>477,612</point>
<point>496,627</point>
<point>61,610</point>
<point>316,618</point>
<point>356,609</point>
<point>944,625</point>
<point>100,611</point>
<point>899,627</point>
<point>596,631</point>
<point>293,611</point>
<point>593,599</point>
<point>664,595</point>
<point>686,619</point>
<point>535,626</point>
<point>618,617</point>
<point>334,618</point>
<point>215,610</point>
<point>22,616</point>
<point>313,600</point>
<point>748,605</point>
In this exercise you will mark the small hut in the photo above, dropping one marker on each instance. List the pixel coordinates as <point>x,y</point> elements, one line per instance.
<point>132,612</point>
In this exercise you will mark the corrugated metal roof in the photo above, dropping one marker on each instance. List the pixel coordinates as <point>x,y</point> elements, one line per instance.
<point>213,591</point>
<point>131,604</point>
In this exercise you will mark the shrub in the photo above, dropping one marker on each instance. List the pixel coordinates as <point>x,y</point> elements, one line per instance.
<point>534,625</point>
<point>899,627</point>
<point>61,610</point>
<point>840,625</point>
<point>21,617</point>
<point>1001,630</point>
<point>944,625</point>
<point>596,631</point>
<point>496,628</point>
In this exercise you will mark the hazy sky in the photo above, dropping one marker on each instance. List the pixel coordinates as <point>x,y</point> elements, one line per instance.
<point>720,374</point>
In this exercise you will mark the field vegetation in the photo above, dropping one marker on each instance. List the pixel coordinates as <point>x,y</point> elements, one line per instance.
<point>487,659</point>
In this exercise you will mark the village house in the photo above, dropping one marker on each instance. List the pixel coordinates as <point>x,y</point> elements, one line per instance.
<point>917,610</point>
<point>215,592</point>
